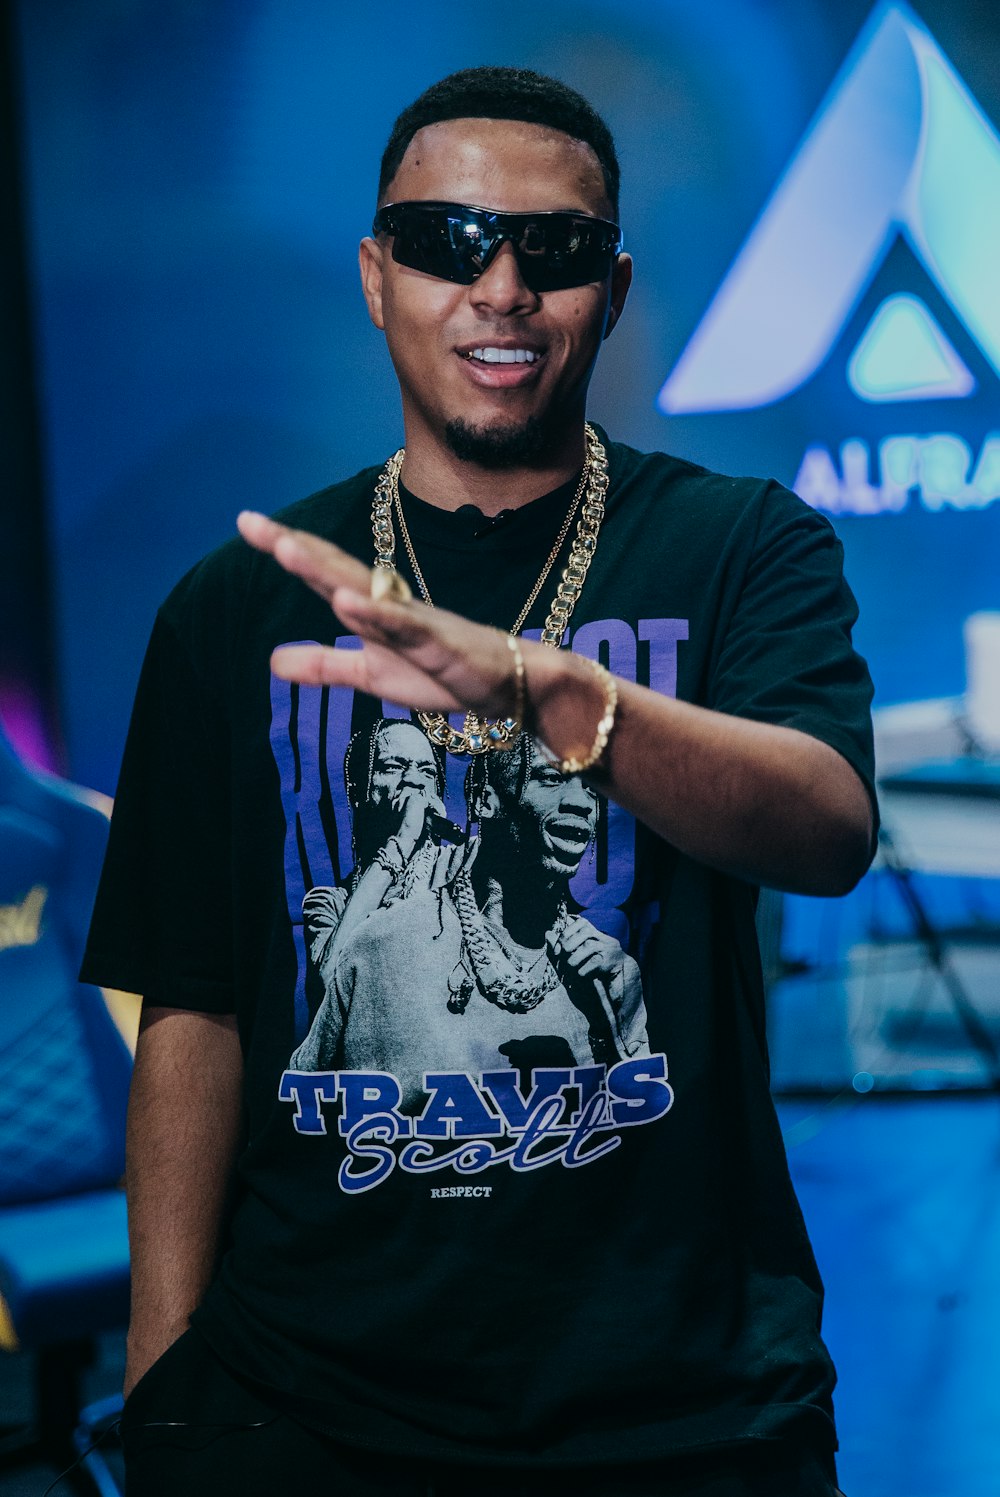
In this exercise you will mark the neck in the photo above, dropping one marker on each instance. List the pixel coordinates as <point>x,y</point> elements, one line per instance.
<point>529,918</point>
<point>433,472</point>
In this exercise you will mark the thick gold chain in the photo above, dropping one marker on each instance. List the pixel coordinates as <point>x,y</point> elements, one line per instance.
<point>516,626</point>
<point>478,736</point>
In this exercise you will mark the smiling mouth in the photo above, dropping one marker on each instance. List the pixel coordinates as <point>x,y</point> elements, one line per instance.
<point>493,355</point>
<point>568,840</point>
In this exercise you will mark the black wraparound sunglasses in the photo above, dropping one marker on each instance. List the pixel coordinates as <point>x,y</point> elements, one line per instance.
<point>456,242</point>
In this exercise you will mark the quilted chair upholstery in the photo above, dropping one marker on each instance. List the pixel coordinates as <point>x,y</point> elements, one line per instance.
<point>64,1076</point>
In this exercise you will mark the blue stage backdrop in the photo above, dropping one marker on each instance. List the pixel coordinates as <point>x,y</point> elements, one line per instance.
<point>812,196</point>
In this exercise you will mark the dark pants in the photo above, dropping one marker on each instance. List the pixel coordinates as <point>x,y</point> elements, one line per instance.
<point>191,1429</point>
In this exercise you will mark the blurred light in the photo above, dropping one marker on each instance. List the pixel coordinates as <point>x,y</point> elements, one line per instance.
<point>863,1082</point>
<point>938,471</point>
<point>899,146</point>
<point>903,355</point>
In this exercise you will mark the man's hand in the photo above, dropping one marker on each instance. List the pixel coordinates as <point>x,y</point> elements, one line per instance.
<point>586,961</point>
<point>584,951</point>
<point>449,860</point>
<point>766,803</point>
<point>423,658</point>
<point>413,806</point>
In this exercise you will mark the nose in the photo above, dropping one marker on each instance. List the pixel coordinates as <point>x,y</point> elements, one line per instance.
<point>500,290</point>
<point>577,797</point>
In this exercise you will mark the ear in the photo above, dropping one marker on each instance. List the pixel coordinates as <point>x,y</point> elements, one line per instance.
<point>489,804</point>
<point>370,264</point>
<point>621,280</point>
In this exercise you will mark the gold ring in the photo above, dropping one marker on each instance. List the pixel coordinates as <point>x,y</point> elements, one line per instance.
<point>388,586</point>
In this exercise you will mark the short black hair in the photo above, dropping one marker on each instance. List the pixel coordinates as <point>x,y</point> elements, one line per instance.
<point>494,93</point>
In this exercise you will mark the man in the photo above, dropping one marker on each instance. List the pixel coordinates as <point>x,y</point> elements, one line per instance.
<point>597,1281</point>
<point>528,984</point>
<point>394,785</point>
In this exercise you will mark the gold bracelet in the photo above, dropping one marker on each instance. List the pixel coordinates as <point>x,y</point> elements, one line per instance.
<point>579,766</point>
<point>517,716</point>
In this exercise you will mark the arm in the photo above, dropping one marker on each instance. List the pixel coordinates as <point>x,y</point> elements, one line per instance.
<point>606,986</point>
<point>332,916</point>
<point>184,1129</point>
<point>768,803</point>
<point>322,912</point>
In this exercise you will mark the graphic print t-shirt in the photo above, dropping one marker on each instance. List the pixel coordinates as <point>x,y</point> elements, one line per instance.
<point>514,1188</point>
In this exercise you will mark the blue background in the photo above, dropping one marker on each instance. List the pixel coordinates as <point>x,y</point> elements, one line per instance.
<point>198,177</point>
<point>198,174</point>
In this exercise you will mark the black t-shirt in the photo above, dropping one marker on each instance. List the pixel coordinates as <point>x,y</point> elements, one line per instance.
<point>514,1188</point>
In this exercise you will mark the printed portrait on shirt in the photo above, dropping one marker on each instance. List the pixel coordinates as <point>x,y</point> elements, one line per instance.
<point>470,937</point>
<point>463,947</point>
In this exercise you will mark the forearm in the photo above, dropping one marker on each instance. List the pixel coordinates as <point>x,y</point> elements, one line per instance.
<point>369,892</point>
<point>769,804</point>
<point>184,1129</point>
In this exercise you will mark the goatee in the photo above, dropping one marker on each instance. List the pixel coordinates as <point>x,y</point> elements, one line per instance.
<point>497,446</point>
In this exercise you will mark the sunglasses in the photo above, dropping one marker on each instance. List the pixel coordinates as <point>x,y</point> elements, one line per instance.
<point>458,243</point>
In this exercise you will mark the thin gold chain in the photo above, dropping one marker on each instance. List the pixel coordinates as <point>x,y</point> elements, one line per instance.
<point>478,736</point>
<point>518,623</point>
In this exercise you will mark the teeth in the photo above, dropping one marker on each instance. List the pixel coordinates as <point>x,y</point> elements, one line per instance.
<point>570,834</point>
<point>504,355</point>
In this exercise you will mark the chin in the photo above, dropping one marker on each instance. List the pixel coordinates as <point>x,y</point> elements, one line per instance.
<point>498,445</point>
<point>555,868</point>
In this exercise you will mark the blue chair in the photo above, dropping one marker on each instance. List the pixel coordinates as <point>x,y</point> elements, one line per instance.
<point>64,1075</point>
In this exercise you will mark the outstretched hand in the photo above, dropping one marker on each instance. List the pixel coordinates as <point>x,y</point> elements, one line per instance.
<point>422,658</point>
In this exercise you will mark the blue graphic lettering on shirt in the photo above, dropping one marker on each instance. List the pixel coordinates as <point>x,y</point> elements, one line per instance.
<point>432,1120</point>
<point>369,1094</point>
<point>455,1108</point>
<point>307,1089</point>
<point>368,1145</point>
<point>640,1087</point>
<point>570,1117</point>
<point>516,1110</point>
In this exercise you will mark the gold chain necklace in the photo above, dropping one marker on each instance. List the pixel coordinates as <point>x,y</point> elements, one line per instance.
<point>478,736</point>
<point>507,980</point>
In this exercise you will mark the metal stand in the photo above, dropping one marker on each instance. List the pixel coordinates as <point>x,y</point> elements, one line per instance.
<point>934,947</point>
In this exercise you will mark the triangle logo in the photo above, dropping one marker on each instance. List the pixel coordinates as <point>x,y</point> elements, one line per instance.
<point>899,148</point>
<point>903,354</point>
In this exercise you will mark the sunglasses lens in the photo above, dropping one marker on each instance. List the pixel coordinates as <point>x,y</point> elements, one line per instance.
<point>563,251</point>
<point>554,250</point>
<point>431,241</point>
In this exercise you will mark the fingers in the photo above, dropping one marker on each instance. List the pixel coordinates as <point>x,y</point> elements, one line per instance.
<point>574,932</point>
<point>583,949</point>
<point>413,820</point>
<point>341,579</point>
<point>440,661</point>
<point>319,665</point>
<point>591,964</point>
<point>380,620</point>
<point>321,565</point>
